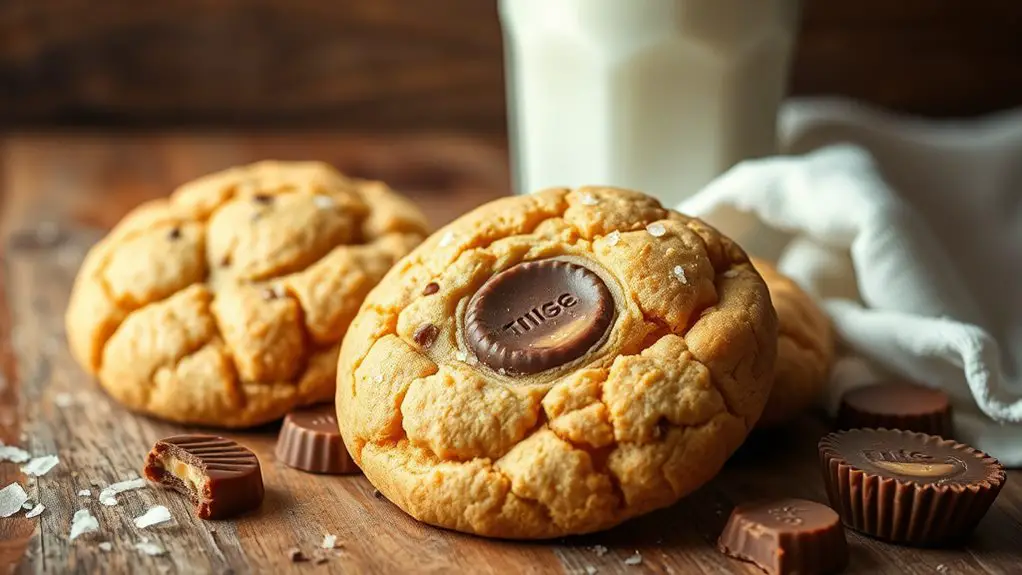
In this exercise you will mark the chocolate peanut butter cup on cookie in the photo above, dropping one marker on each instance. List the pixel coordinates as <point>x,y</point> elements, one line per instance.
<point>556,363</point>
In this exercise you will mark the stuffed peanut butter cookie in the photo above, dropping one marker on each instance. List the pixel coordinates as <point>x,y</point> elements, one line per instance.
<point>805,348</point>
<point>224,305</point>
<point>556,363</point>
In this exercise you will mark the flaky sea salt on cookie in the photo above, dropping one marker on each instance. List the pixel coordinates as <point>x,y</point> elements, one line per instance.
<point>555,364</point>
<point>224,304</point>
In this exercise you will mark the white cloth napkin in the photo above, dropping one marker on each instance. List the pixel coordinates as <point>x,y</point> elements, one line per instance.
<point>909,233</point>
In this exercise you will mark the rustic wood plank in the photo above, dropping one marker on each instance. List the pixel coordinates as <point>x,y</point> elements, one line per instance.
<point>400,65</point>
<point>81,185</point>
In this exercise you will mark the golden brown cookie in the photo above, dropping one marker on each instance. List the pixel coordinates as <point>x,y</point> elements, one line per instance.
<point>469,397</point>
<point>224,304</point>
<point>805,348</point>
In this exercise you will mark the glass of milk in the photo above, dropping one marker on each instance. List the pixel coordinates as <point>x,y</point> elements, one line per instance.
<point>655,95</point>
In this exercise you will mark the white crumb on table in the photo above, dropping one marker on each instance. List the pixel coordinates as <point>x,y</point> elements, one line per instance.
<point>107,496</point>
<point>12,498</point>
<point>634,559</point>
<point>39,466</point>
<point>13,454</point>
<point>38,509</point>
<point>105,546</point>
<point>63,399</point>
<point>149,548</point>
<point>85,493</point>
<point>329,541</point>
<point>83,522</point>
<point>154,516</point>
<point>600,550</point>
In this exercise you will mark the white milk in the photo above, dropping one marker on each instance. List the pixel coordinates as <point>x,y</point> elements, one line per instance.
<point>655,95</point>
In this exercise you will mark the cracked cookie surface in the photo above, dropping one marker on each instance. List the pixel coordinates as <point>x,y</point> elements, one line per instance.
<point>805,348</point>
<point>644,417</point>
<point>225,303</point>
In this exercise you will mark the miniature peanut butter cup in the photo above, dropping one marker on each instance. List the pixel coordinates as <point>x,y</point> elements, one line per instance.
<point>901,405</point>
<point>906,487</point>
<point>786,536</point>
<point>310,441</point>
<point>537,315</point>
<point>220,476</point>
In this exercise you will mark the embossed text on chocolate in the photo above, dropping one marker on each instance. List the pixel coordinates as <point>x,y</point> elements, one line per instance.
<point>539,315</point>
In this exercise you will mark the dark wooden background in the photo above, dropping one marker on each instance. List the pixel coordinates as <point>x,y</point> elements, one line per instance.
<point>412,65</point>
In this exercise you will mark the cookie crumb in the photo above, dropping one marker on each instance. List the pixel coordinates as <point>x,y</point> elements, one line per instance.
<point>174,234</point>
<point>426,335</point>
<point>613,238</point>
<point>430,289</point>
<point>446,239</point>
<point>600,550</point>
<point>656,229</point>
<point>679,272</point>
<point>634,559</point>
<point>588,199</point>
<point>296,556</point>
<point>323,202</point>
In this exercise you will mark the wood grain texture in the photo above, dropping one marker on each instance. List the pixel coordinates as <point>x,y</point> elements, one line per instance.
<point>59,193</point>
<point>407,65</point>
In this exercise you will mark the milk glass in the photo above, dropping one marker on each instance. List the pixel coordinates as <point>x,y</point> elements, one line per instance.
<point>655,95</point>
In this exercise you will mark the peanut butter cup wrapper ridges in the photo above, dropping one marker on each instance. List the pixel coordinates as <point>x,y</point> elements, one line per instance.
<point>906,487</point>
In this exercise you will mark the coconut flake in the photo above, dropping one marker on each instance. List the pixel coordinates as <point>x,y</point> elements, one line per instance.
<point>26,505</point>
<point>600,550</point>
<point>63,400</point>
<point>13,454</point>
<point>329,541</point>
<point>656,229</point>
<point>149,548</point>
<point>40,465</point>
<point>85,493</point>
<point>36,511</point>
<point>154,516</point>
<point>12,498</point>
<point>613,238</point>
<point>323,202</point>
<point>446,239</point>
<point>590,570</point>
<point>105,546</point>
<point>634,559</point>
<point>679,272</point>
<point>107,496</point>
<point>588,200</point>
<point>83,522</point>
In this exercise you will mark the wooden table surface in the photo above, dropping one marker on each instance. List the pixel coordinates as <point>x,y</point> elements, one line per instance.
<point>57,195</point>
